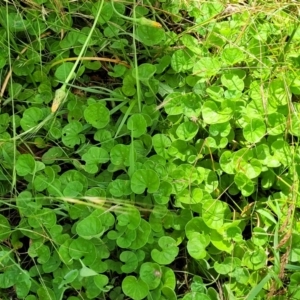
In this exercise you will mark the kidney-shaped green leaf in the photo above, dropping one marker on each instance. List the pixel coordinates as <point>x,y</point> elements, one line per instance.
<point>144,179</point>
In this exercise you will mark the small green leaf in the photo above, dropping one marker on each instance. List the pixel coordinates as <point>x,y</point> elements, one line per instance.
<point>145,72</point>
<point>63,71</point>
<point>255,260</point>
<point>187,130</point>
<point>97,115</point>
<point>89,227</point>
<point>213,115</point>
<point>119,155</point>
<point>168,252</point>
<point>31,118</point>
<point>161,143</point>
<point>231,56</point>
<point>144,179</point>
<point>196,246</point>
<point>134,288</point>
<point>182,60</point>
<point>151,273</point>
<point>137,125</point>
<point>254,131</point>
<point>192,43</point>
<point>119,188</point>
<point>25,165</point>
<point>207,67</point>
<point>131,261</point>
<point>101,281</point>
<point>245,184</point>
<point>276,123</point>
<point>93,158</point>
<point>71,134</point>
<point>149,36</point>
<point>173,104</point>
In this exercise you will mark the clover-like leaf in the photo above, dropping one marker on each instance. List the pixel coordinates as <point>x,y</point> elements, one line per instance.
<point>255,260</point>
<point>187,130</point>
<point>232,56</point>
<point>212,114</point>
<point>207,67</point>
<point>196,246</point>
<point>151,273</point>
<point>232,81</point>
<point>119,155</point>
<point>97,115</point>
<point>131,261</point>
<point>89,227</point>
<point>31,118</point>
<point>137,125</point>
<point>182,60</point>
<point>245,184</point>
<point>213,213</point>
<point>144,179</point>
<point>191,43</point>
<point>149,36</point>
<point>25,165</point>
<point>93,158</point>
<point>142,235</point>
<point>119,188</point>
<point>63,71</point>
<point>276,123</point>
<point>254,131</point>
<point>161,143</point>
<point>134,288</point>
<point>168,252</point>
<point>71,134</point>
<point>145,72</point>
<point>173,104</point>
<point>42,252</point>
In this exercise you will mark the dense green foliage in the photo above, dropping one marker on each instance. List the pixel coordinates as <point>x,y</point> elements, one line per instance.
<point>167,166</point>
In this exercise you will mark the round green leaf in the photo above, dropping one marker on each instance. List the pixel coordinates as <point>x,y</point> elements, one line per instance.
<point>187,130</point>
<point>213,115</point>
<point>254,131</point>
<point>151,273</point>
<point>173,104</point>
<point>31,118</point>
<point>63,71</point>
<point>255,260</point>
<point>89,227</point>
<point>149,36</point>
<point>137,125</point>
<point>168,252</point>
<point>196,246</point>
<point>97,115</point>
<point>25,165</point>
<point>131,261</point>
<point>134,288</point>
<point>145,71</point>
<point>93,158</point>
<point>161,143</point>
<point>232,56</point>
<point>182,60</point>
<point>207,67</point>
<point>144,179</point>
<point>244,184</point>
<point>276,123</point>
<point>71,134</point>
<point>119,155</point>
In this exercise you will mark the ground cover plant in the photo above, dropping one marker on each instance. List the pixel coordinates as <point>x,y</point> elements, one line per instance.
<point>149,150</point>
